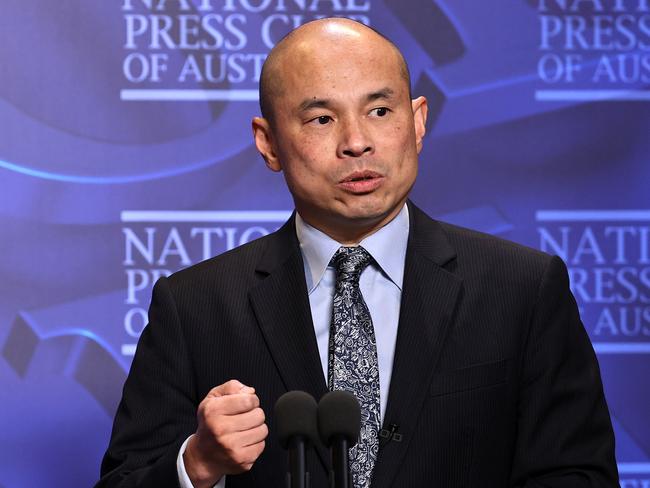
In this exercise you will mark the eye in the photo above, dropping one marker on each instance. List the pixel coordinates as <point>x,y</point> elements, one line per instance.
<point>379,111</point>
<point>323,119</point>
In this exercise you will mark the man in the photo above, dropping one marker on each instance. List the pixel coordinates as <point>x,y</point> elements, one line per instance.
<point>472,345</point>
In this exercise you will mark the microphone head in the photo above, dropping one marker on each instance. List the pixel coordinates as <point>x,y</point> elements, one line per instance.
<point>295,416</point>
<point>339,414</point>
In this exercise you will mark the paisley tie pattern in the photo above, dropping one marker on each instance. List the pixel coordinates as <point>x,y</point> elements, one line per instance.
<point>353,364</point>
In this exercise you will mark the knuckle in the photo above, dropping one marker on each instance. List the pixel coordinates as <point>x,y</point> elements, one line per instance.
<point>231,386</point>
<point>260,414</point>
<point>260,448</point>
<point>213,393</point>
<point>228,447</point>
<point>240,457</point>
<point>201,412</point>
<point>219,429</point>
<point>231,453</point>
<point>216,438</point>
<point>248,402</point>
<point>210,406</point>
<point>206,407</point>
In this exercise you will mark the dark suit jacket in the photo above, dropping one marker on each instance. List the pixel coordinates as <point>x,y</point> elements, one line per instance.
<point>494,383</point>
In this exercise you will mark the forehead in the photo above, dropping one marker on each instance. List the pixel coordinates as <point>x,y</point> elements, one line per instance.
<point>340,67</point>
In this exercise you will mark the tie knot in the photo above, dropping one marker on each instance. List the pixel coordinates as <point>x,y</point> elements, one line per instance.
<point>350,262</point>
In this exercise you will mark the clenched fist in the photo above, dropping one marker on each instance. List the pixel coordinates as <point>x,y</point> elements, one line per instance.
<point>230,434</point>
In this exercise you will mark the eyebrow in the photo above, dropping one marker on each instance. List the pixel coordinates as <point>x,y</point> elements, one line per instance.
<point>383,94</point>
<point>311,103</point>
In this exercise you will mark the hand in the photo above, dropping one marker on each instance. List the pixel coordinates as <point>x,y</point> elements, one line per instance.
<point>230,434</point>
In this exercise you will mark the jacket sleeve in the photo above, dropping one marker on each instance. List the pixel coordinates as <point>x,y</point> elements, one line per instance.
<point>158,407</point>
<point>565,437</point>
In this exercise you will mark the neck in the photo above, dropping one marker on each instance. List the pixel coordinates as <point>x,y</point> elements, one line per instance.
<point>350,232</point>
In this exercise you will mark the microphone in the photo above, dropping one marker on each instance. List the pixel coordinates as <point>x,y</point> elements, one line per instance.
<point>295,417</point>
<point>339,422</point>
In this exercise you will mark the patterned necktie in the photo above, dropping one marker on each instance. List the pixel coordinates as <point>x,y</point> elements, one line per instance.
<point>353,364</point>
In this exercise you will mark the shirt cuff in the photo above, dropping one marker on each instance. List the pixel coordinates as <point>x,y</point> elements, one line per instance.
<point>183,478</point>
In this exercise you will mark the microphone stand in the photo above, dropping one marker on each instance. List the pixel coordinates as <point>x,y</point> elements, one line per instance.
<point>340,465</point>
<point>297,477</point>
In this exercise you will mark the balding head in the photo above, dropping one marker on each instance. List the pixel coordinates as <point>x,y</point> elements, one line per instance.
<point>312,38</point>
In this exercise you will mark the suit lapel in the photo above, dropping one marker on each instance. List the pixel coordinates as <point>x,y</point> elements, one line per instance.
<point>429,297</point>
<point>281,306</point>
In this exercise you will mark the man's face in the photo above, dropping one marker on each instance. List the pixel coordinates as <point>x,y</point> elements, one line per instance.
<point>346,134</point>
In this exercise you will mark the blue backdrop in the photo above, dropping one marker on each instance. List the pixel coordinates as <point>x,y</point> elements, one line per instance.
<point>126,153</point>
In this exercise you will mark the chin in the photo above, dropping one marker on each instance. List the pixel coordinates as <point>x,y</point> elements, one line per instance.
<point>373,209</point>
<point>369,214</point>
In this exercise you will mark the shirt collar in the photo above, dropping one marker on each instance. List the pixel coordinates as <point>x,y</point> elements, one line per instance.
<point>387,246</point>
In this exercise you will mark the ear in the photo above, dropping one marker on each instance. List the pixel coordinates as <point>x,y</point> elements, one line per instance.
<point>420,111</point>
<point>263,136</point>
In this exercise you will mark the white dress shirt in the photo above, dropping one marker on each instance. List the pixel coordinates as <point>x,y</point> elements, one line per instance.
<point>381,286</point>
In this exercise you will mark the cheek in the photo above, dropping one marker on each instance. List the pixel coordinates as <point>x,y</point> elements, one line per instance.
<point>405,159</point>
<point>306,174</point>
<point>309,158</point>
<point>402,146</point>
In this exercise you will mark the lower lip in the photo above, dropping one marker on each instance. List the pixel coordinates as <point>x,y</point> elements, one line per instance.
<point>362,186</point>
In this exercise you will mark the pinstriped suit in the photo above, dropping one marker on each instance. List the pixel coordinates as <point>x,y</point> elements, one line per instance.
<point>494,382</point>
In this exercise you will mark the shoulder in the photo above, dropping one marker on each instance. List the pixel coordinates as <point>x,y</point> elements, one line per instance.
<point>445,242</point>
<point>503,280</point>
<point>488,262</point>
<point>453,239</point>
<point>474,245</point>
<point>479,258</point>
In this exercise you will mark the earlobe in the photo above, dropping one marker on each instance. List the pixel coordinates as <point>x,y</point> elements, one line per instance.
<point>420,111</point>
<point>264,143</point>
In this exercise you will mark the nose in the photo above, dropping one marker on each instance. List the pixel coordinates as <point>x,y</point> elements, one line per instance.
<point>355,141</point>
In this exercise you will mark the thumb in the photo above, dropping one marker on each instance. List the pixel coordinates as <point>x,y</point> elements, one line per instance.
<point>231,387</point>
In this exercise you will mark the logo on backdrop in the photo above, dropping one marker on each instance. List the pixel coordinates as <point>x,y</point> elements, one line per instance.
<point>211,49</point>
<point>157,243</point>
<point>593,49</point>
<point>608,256</point>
